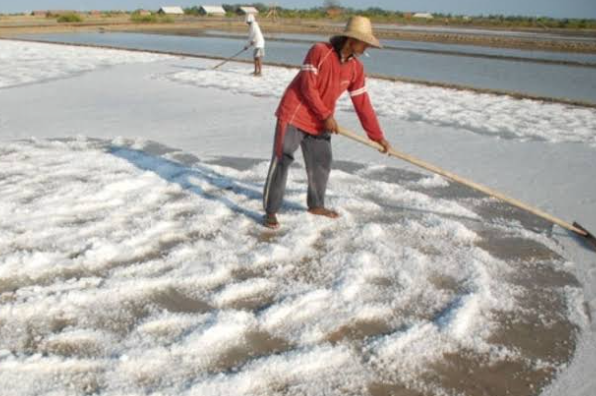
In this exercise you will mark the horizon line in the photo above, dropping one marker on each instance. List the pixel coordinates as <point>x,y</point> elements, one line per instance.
<point>452,14</point>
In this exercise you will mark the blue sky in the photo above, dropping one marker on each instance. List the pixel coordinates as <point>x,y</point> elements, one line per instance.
<point>553,8</point>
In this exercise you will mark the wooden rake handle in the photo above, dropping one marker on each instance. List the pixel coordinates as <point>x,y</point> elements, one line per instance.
<point>230,58</point>
<point>488,191</point>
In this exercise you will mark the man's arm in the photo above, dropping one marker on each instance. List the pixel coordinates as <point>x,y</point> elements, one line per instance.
<point>308,78</point>
<point>364,110</point>
<point>251,37</point>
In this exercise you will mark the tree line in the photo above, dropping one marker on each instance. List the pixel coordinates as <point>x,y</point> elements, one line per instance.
<point>332,9</point>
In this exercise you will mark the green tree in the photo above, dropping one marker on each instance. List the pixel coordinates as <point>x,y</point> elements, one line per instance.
<point>70,18</point>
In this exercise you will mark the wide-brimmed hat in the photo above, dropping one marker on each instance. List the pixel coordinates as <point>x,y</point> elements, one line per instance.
<point>360,28</point>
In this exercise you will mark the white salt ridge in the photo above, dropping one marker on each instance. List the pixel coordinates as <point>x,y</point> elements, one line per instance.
<point>423,340</point>
<point>167,327</point>
<point>246,290</point>
<point>392,193</point>
<point>433,181</point>
<point>329,371</point>
<point>26,63</point>
<point>498,115</point>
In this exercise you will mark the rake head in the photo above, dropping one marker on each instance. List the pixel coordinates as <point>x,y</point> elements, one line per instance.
<point>588,237</point>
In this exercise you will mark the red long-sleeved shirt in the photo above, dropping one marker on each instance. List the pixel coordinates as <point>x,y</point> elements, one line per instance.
<point>311,96</point>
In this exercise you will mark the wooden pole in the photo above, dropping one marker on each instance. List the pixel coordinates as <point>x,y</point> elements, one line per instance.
<point>230,58</point>
<point>461,180</point>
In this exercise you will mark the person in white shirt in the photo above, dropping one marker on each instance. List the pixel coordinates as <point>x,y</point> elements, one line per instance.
<point>256,39</point>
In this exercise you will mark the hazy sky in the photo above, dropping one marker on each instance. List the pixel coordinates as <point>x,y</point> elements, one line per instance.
<point>553,8</point>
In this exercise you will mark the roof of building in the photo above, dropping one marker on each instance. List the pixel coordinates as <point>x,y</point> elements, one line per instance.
<point>423,15</point>
<point>209,9</point>
<point>172,10</point>
<point>249,10</point>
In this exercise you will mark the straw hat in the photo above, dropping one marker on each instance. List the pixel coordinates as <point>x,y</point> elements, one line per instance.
<point>360,28</point>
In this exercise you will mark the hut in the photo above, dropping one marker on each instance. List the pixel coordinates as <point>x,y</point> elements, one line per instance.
<point>248,10</point>
<point>171,11</point>
<point>212,10</point>
<point>423,15</point>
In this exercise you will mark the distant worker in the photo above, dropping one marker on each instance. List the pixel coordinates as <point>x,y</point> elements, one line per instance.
<point>305,116</point>
<point>255,39</point>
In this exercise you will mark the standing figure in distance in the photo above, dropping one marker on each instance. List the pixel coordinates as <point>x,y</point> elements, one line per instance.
<point>256,39</point>
<point>305,116</point>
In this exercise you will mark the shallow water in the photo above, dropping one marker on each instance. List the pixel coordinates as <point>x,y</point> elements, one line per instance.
<point>421,45</point>
<point>557,81</point>
<point>485,32</point>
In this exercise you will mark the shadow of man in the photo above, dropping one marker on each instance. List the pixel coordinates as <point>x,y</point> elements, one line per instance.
<point>192,177</point>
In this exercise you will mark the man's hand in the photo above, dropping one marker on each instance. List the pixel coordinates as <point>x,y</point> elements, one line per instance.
<point>331,125</point>
<point>386,146</point>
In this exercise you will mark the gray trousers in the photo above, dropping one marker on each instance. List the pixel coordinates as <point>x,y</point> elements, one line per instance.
<point>316,151</point>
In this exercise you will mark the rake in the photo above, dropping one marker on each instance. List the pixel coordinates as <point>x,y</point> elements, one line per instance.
<point>575,227</point>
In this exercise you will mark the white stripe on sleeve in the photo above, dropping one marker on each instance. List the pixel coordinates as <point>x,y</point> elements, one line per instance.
<point>309,68</point>
<point>357,92</point>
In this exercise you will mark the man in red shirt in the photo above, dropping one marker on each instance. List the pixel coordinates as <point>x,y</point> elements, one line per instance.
<point>305,115</point>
